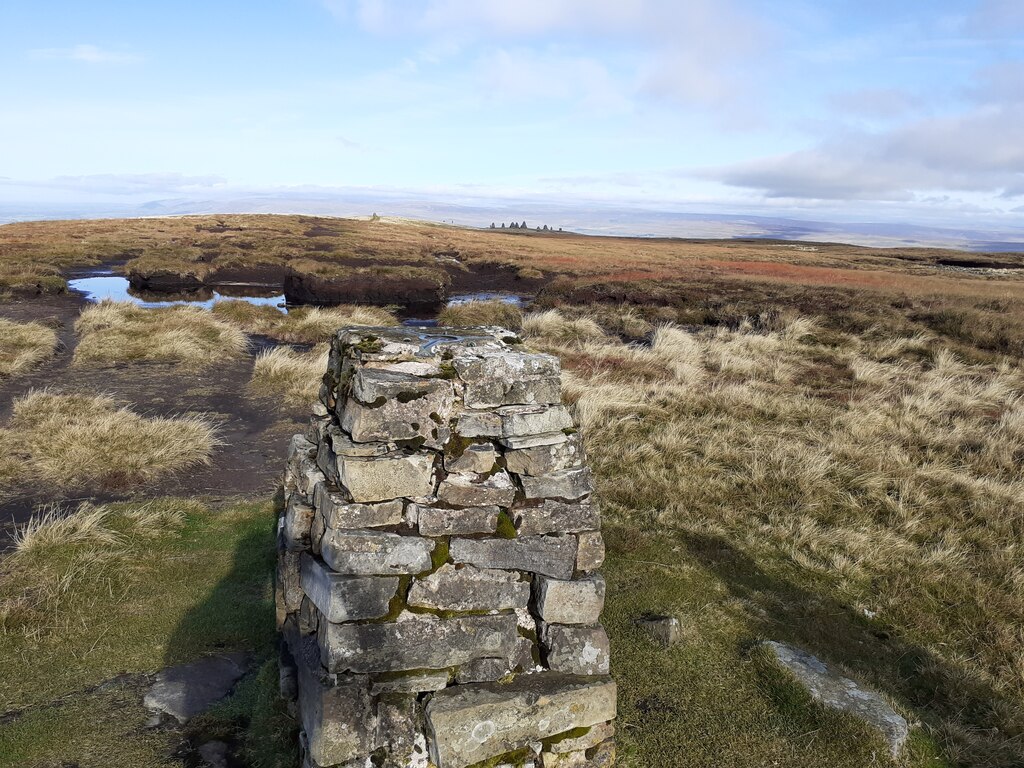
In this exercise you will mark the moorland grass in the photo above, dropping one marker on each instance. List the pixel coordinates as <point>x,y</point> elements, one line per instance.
<point>291,375</point>
<point>112,333</point>
<point>116,592</point>
<point>301,325</point>
<point>67,441</point>
<point>490,312</point>
<point>24,346</point>
<point>874,474</point>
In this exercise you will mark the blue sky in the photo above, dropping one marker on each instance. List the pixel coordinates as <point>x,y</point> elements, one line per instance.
<point>907,110</point>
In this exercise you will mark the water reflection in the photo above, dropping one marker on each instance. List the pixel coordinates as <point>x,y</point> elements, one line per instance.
<point>99,287</point>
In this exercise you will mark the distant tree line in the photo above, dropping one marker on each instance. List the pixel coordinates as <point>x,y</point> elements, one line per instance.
<point>514,225</point>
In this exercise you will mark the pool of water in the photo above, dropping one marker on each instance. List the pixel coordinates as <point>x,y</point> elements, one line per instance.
<point>99,287</point>
<point>508,298</point>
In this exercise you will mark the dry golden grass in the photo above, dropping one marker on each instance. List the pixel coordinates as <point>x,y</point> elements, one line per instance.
<point>70,441</point>
<point>23,346</point>
<point>119,332</point>
<point>301,325</point>
<point>491,312</point>
<point>293,376</point>
<point>888,469</point>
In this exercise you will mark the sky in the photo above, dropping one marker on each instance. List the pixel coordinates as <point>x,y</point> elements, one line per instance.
<point>909,110</point>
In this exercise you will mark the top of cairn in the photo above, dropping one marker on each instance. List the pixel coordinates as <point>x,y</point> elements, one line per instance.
<point>391,343</point>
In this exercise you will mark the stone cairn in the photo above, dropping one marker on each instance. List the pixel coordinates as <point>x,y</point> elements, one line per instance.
<point>437,581</point>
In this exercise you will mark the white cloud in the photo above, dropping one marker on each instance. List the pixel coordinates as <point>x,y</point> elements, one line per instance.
<point>88,54</point>
<point>877,103</point>
<point>996,18</point>
<point>978,151</point>
<point>126,183</point>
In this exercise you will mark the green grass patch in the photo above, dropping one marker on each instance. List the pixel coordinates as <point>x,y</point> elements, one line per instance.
<point>142,587</point>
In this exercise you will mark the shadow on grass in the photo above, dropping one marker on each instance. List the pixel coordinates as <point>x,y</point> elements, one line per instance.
<point>238,616</point>
<point>965,715</point>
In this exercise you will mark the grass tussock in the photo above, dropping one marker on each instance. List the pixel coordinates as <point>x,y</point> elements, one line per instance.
<point>883,471</point>
<point>24,346</point>
<point>71,441</point>
<point>291,375</point>
<point>120,332</point>
<point>490,312</point>
<point>301,325</point>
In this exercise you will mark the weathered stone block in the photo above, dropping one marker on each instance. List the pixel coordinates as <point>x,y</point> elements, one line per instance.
<point>545,459</point>
<point>479,424</point>
<point>556,516</point>
<point>482,671</point>
<point>337,717</point>
<point>588,740</point>
<point>410,683</point>
<point>375,553</point>
<point>467,588</point>
<point>298,519</point>
<point>570,602</point>
<point>576,650</point>
<point>388,477</point>
<point>470,723</point>
<point>533,441</point>
<point>345,446</point>
<point>478,458</point>
<point>590,555</point>
<point>566,484</point>
<point>415,641</point>
<point>526,420</point>
<point>287,587</point>
<point>316,533</point>
<point>400,734</point>
<point>664,629</point>
<point>553,556</point>
<point>426,368</point>
<point>496,490</point>
<point>339,513</point>
<point>439,521</point>
<point>506,377</point>
<point>346,598</point>
<point>392,406</point>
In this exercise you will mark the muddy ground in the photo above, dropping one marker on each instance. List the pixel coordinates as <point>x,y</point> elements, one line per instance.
<point>254,430</point>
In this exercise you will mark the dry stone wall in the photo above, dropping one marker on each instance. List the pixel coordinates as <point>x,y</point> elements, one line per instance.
<point>438,587</point>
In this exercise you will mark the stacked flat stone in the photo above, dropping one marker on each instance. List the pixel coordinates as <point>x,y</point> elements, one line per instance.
<point>438,587</point>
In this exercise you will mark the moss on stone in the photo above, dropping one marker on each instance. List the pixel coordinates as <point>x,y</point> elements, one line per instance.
<point>506,529</point>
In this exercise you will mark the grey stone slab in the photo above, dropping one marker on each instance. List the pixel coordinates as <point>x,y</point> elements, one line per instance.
<point>840,693</point>
<point>551,516</point>
<point>287,587</point>
<point>339,512</point>
<point>372,384</point>
<point>593,737</point>
<point>527,420</point>
<point>467,588</point>
<point>576,650</point>
<point>346,598</point>
<point>533,441</point>
<point>477,490</point>
<point>387,477</point>
<point>336,712</point>
<point>186,690</point>
<point>400,734</point>
<point>375,553</point>
<point>545,459</point>
<point>470,723</point>
<point>590,555</point>
<point>507,377</point>
<point>415,641</point>
<point>482,671</point>
<point>566,484</point>
<point>570,602</point>
<point>433,680</point>
<point>663,629</point>
<point>479,424</point>
<point>423,412</point>
<point>441,521</point>
<point>298,518</point>
<point>478,458</point>
<point>553,556</point>
<point>343,445</point>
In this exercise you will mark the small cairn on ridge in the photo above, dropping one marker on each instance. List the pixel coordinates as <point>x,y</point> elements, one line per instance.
<point>437,582</point>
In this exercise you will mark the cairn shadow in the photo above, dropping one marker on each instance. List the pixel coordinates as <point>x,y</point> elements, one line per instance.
<point>227,645</point>
<point>908,673</point>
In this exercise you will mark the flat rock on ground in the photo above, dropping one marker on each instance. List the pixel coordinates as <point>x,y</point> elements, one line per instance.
<point>187,690</point>
<point>841,693</point>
